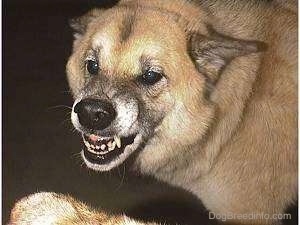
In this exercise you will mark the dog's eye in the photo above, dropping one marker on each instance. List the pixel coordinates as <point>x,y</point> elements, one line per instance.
<point>150,77</point>
<point>92,67</point>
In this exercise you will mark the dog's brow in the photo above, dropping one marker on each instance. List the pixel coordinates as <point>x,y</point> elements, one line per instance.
<point>127,26</point>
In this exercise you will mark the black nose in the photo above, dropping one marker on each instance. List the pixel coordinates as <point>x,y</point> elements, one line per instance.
<point>94,113</point>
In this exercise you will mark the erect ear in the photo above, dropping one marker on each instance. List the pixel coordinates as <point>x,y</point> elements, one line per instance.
<point>212,53</point>
<point>80,24</point>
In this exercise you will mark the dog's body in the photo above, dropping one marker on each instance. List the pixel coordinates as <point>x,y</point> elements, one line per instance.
<point>220,117</point>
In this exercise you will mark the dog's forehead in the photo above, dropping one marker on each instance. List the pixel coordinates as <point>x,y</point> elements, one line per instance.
<point>125,25</point>
<point>135,34</point>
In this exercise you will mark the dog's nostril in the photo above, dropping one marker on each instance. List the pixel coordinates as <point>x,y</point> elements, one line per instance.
<point>94,113</point>
<point>99,115</point>
<point>78,107</point>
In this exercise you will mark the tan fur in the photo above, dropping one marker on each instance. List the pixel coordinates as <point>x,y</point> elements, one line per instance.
<point>236,151</point>
<point>51,208</point>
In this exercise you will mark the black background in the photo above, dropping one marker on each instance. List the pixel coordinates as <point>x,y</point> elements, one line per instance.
<point>40,147</point>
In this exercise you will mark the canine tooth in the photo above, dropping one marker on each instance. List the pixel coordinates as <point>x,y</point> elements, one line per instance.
<point>109,144</point>
<point>118,141</point>
<point>112,147</point>
<point>93,147</point>
<point>103,147</point>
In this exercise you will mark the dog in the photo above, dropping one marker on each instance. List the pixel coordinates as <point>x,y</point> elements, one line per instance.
<point>199,94</point>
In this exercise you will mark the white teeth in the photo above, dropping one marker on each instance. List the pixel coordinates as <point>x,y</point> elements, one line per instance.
<point>118,141</point>
<point>105,148</point>
<point>103,153</point>
<point>112,147</point>
<point>96,152</point>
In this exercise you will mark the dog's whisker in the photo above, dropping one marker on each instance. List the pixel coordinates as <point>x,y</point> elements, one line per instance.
<point>122,178</point>
<point>73,130</point>
<point>66,92</point>
<point>83,167</point>
<point>59,106</point>
<point>66,121</point>
<point>69,113</point>
<point>76,155</point>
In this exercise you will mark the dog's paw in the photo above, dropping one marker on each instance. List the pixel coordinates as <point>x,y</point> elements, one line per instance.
<point>42,208</point>
<point>56,209</point>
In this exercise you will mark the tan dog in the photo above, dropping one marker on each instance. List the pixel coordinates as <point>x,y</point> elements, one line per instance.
<point>200,94</point>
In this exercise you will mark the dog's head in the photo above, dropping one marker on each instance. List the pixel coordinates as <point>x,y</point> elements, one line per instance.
<point>141,84</point>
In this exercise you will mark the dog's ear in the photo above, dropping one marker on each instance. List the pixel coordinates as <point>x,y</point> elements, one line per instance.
<point>80,24</point>
<point>212,53</point>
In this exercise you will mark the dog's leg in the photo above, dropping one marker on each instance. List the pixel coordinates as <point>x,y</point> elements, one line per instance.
<point>57,209</point>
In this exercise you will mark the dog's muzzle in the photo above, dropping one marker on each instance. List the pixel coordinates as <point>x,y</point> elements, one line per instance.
<point>105,129</point>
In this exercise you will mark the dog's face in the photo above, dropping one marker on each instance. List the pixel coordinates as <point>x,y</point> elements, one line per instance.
<point>140,84</point>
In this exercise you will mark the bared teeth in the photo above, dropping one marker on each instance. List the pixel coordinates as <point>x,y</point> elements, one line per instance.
<point>93,151</point>
<point>102,145</point>
<point>112,147</point>
<point>117,141</point>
